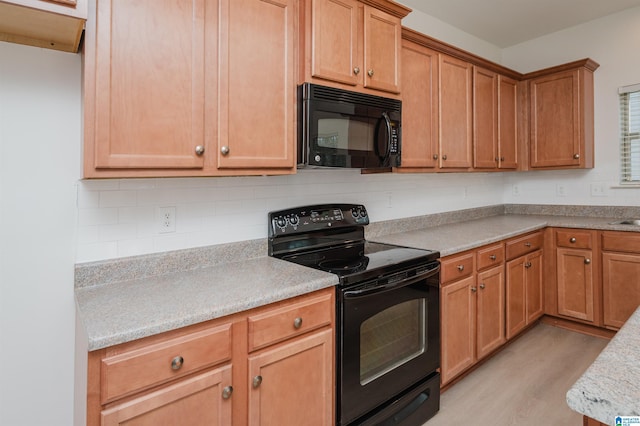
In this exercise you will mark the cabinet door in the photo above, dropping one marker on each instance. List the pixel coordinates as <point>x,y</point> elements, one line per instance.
<point>555,120</point>
<point>516,309</point>
<point>292,382</point>
<point>575,284</point>
<point>257,87</point>
<point>535,298</point>
<point>456,113</point>
<point>334,40</point>
<point>197,400</point>
<point>419,106</point>
<point>485,119</point>
<point>490,311</point>
<point>150,84</point>
<point>507,123</point>
<point>620,287</point>
<point>382,45</point>
<point>458,327</point>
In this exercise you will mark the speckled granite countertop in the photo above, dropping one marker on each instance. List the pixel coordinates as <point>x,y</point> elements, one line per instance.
<point>126,299</point>
<point>611,385</point>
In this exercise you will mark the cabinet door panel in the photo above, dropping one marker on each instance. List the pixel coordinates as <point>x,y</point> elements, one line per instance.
<point>491,297</point>
<point>456,113</point>
<point>507,123</point>
<point>620,286</point>
<point>284,396</point>
<point>535,298</point>
<point>334,40</point>
<point>575,283</point>
<point>516,296</point>
<point>458,327</point>
<point>485,118</point>
<point>149,84</point>
<point>419,106</point>
<point>382,44</point>
<point>194,401</point>
<point>257,97</point>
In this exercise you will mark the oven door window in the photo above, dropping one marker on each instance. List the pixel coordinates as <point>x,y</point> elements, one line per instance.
<point>392,338</point>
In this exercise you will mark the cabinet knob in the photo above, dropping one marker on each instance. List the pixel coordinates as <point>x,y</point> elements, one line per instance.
<point>435,156</point>
<point>482,286</point>
<point>576,156</point>
<point>177,362</point>
<point>370,73</point>
<point>474,289</point>
<point>527,244</point>
<point>199,150</point>
<point>587,261</point>
<point>297,323</point>
<point>444,157</point>
<point>224,150</point>
<point>356,70</point>
<point>226,392</point>
<point>572,239</point>
<point>527,265</point>
<point>460,268</point>
<point>493,257</point>
<point>501,158</point>
<point>256,381</point>
<point>497,159</point>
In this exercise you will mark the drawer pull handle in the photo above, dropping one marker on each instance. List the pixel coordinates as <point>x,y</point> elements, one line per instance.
<point>177,362</point>
<point>493,257</point>
<point>527,244</point>
<point>587,261</point>
<point>297,323</point>
<point>226,392</point>
<point>460,268</point>
<point>256,381</point>
<point>572,239</point>
<point>482,286</point>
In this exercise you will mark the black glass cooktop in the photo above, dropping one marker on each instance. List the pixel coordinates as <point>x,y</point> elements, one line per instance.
<point>362,260</point>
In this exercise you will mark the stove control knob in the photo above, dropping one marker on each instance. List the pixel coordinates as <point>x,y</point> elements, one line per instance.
<point>294,219</point>
<point>281,222</point>
<point>363,212</point>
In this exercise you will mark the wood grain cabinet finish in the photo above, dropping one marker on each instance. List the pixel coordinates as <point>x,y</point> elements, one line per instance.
<point>561,116</point>
<point>181,110</point>
<point>353,45</point>
<point>508,123</point>
<point>524,286</point>
<point>485,119</point>
<point>577,275</point>
<point>419,107</point>
<point>472,301</point>
<point>456,114</point>
<point>241,369</point>
<point>620,277</point>
<point>55,24</point>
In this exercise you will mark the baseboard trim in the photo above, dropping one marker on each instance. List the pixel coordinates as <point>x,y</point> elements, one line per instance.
<point>578,327</point>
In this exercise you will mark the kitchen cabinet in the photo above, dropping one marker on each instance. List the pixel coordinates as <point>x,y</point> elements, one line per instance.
<point>524,285</point>
<point>240,369</point>
<point>508,113</point>
<point>181,110</point>
<point>576,275</point>
<point>472,308</point>
<point>620,272</point>
<point>352,45</point>
<point>561,116</point>
<point>419,106</point>
<point>56,24</point>
<point>455,114</point>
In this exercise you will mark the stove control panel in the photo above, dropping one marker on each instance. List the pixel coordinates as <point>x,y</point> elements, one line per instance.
<point>316,217</point>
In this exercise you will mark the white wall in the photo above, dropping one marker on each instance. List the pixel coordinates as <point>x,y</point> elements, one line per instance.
<point>39,168</point>
<point>612,42</point>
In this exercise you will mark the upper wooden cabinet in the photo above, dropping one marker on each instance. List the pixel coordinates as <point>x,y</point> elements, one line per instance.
<point>561,116</point>
<point>485,119</point>
<point>508,123</point>
<point>203,69</point>
<point>55,24</point>
<point>353,45</point>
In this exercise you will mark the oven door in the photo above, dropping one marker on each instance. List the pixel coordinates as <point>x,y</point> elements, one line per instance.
<point>388,340</point>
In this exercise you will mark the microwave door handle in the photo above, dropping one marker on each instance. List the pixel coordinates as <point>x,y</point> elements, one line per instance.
<point>387,122</point>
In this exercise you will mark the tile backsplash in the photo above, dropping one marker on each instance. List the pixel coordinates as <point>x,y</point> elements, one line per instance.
<point>119,218</point>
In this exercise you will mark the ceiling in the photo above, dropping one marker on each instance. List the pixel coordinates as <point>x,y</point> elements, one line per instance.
<point>505,23</point>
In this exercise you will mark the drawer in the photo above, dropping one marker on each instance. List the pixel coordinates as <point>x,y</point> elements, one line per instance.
<point>574,238</point>
<point>523,245</point>
<point>457,267</point>
<point>290,320</point>
<point>143,367</point>
<point>626,242</point>
<point>490,256</point>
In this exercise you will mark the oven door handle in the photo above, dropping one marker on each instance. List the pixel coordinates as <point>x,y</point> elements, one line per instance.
<point>352,294</point>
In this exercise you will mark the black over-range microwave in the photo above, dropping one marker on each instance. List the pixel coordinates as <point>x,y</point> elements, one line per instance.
<point>340,128</point>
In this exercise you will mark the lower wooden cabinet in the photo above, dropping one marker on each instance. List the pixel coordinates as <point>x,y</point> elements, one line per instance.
<point>271,365</point>
<point>620,277</point>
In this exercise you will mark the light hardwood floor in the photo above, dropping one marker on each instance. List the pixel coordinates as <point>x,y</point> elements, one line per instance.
<point>523,385</point>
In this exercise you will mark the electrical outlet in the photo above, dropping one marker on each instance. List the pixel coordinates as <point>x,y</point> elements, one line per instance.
<point>597,190</point>
<point>515,190</point>
<point>560,190</point>
<point>166,219</point>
